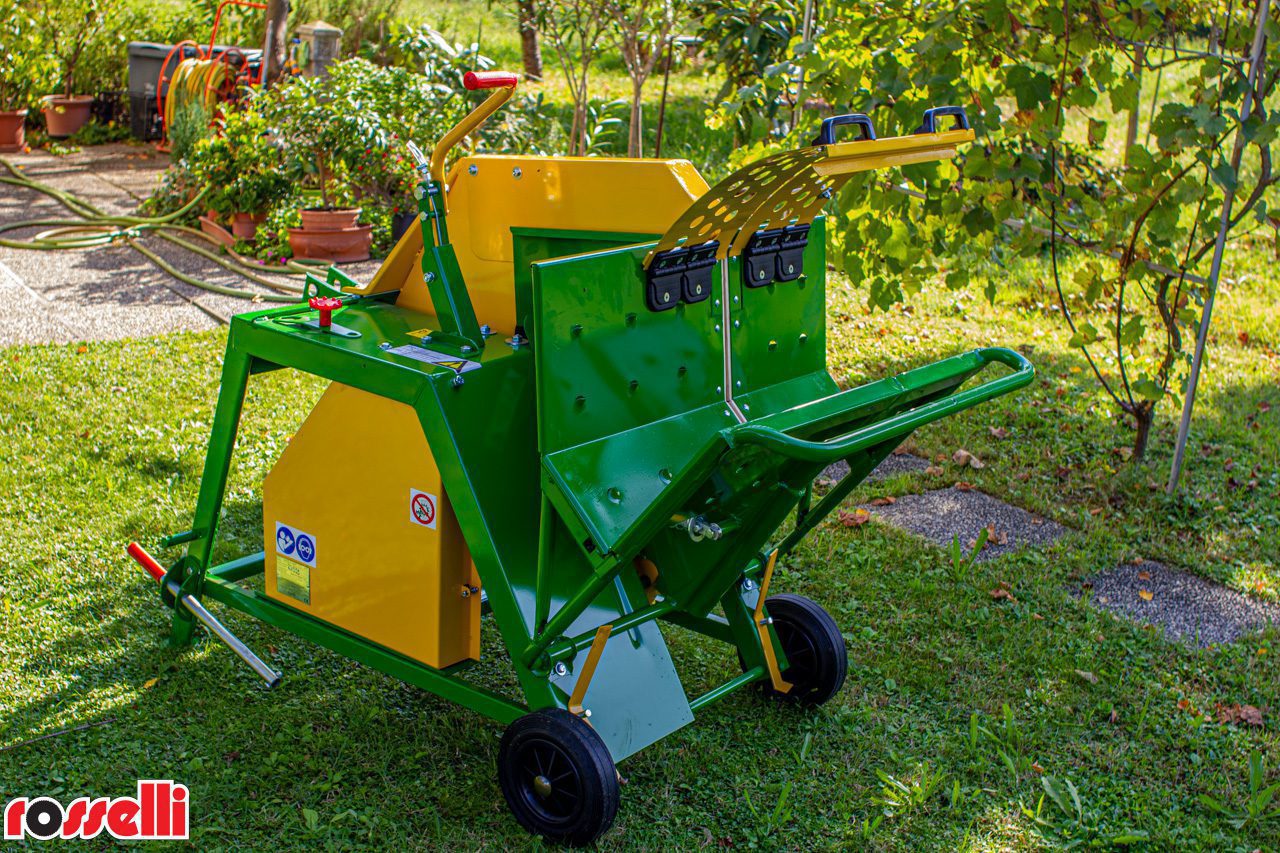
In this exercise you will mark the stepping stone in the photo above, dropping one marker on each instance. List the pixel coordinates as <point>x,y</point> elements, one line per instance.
<point>894,463</point>
<point>945,513</point>
<point>1188,608</point>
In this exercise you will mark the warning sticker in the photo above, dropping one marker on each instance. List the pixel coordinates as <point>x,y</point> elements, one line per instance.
<point>440,359</point>
<point>293,543</point>
<point>293,579</point>
<point>422,508</point>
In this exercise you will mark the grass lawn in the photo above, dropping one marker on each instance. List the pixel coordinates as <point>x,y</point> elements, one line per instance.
<point>957,708</point>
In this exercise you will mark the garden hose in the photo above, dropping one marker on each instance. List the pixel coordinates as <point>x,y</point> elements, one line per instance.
<point>195,80</point>
<point>96,228</point>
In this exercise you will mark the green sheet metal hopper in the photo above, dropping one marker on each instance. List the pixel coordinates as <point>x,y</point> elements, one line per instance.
<point>621,463</point>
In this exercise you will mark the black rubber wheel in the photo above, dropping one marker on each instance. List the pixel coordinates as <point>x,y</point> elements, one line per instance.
<point>817,660</point>
<point>558,777</point>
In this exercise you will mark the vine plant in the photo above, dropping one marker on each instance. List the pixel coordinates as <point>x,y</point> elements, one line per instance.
<point>1124,228</point>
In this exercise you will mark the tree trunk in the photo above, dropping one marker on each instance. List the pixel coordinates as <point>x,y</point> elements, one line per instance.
<point>1144,415</point>
<point>275,47</point>
<point>530,52</point>
<point>636,138</point>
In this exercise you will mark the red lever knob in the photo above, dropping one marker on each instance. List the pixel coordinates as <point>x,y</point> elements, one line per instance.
<point>489,80</point>
<point>326,305</point>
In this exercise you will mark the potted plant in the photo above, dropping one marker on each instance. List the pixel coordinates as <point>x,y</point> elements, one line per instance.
<point>67,27</point>
<point>26,68</point>
<point>326,129</point>
<point>243,168</point>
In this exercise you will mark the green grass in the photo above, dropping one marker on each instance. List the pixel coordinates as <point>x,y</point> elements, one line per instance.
<point>103,443</point>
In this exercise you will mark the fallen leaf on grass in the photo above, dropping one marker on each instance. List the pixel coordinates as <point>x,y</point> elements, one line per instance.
<point>998,432</point>
<point>1145,594</point>
<point>1002,592</point>
<point>1144,575</point>
<point>933,471</point>
<point>1114,718</point>
<point>1238,714</point>
<point>884,501</point>
<point>1035,765</point>
<point>962,486</point>
<point>853,519</point>
<point>149,683</point>
<point>963,457</point>
<point>1087,676</point>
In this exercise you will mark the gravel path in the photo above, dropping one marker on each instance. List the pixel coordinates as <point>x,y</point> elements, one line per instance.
<point>1187,608</point>
<point>106,292</point>
<point>894,463</point>
<point>940,515</point>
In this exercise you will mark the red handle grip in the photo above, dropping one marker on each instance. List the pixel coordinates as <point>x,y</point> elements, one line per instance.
<point>147,561</point>
<point>489,80</point>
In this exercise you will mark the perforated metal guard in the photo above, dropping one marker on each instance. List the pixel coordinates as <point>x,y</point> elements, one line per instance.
<point>793,186</point>
<point>774,190</point>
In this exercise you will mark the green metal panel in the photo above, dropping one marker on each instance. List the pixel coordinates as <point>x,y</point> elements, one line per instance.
<point>539,244</point>
<point>779,331</point>
<point>606,363</point>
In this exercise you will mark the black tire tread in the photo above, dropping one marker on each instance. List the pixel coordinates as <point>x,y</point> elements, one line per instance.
<point>587,751</point>
<point>808,616</point>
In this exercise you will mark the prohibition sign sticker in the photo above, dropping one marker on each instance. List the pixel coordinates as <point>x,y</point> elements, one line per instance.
<point>422,509</point>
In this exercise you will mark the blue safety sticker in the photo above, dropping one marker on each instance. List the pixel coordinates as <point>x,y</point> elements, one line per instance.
<point>292,542</point>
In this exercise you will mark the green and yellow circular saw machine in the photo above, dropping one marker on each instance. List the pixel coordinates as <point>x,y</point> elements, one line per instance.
<point>585,397</point>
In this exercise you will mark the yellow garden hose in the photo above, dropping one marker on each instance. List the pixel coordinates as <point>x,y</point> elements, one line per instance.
<point>195,80</point>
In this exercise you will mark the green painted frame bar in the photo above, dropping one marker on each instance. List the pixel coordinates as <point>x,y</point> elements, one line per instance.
<point>765,434</point>
<point>244,567</point>
<point>731,686</point>
<point>713,626</point>
<point>570,647</point>
<point>396,665</point>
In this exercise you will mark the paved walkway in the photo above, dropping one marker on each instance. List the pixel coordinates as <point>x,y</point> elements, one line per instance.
<point>106,292</point>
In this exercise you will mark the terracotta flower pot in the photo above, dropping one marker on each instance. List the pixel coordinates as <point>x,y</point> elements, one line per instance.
<point>316,219</point>
<point>12,135</point>
<point>64,116</point>
<point>338,245</point>
<point>245,225</point>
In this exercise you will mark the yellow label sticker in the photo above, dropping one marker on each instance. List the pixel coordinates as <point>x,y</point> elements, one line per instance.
<point>419,333</point>
<point>293,579</point>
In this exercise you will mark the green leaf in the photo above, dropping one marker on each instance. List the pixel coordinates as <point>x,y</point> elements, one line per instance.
<point>311,818</point>
<point>1085,334</point>
<point>1147,389</point>
<point>1131,333</point>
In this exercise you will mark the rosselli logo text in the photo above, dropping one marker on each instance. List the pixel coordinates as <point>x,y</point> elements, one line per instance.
<point>159,812</point>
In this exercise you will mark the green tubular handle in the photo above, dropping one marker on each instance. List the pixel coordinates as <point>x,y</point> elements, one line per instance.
<point>900,424</point>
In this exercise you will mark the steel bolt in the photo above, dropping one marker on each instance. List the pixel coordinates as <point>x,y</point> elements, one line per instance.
<point>457,381</point>
<point>561,669</point>
<point>717,327</point>
<point>486,330</point>
<point>428,276</point>
<point>516,173</point>
<point>791,268</point>
<point>466,347</point>
<point>748,585</point>
<point>472,169</point>
<point>737,324</point>
<point>385,345</point>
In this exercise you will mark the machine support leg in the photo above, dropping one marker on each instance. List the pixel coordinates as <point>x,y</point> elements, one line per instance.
<point>571,610</point>
<point>542,585</point>
<point>810,516</point>
<point>213,483</point>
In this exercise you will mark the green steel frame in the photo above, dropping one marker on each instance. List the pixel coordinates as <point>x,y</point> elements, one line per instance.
<point>592,473</point>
